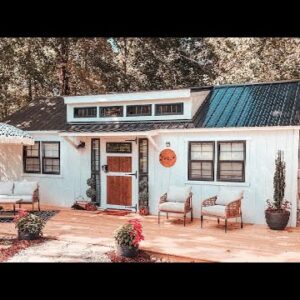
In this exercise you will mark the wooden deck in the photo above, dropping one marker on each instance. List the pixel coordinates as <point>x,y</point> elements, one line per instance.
<point>253,243</point>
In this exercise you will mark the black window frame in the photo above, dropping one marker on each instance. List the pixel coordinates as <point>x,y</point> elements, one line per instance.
<point>169,104</point>
<point>139,115</point>
<point>143,178</point>
<point>86,107</point>
<point>201,161</point>
<point>25,157</point>
<point>45,157</point>
<point>243,162</point>
<point>96,169</point>
<point>118,151</point>
<point>101,108</point>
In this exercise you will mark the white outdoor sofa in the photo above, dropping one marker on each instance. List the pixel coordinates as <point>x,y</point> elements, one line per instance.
<point>19,192</point>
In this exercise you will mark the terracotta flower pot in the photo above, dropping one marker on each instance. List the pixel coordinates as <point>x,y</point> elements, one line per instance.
<point>126,251</point>
<point>144,211</point>
<point>277,220</point>
<point>28,236</point>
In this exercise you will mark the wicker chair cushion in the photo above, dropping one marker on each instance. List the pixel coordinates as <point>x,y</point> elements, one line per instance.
<point>226,197</point>
<point>178,194</point>
<point>214,210</point>
<point>25,187</point>
<point>172,206</point>
<point>6,187</point>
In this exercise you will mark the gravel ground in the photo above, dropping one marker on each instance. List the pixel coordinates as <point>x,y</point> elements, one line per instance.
<point>63,251</point>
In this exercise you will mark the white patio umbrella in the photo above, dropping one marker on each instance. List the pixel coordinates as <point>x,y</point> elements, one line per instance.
<point>13,135</point>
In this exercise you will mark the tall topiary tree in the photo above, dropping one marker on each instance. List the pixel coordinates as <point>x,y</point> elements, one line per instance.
<point>279,180</point>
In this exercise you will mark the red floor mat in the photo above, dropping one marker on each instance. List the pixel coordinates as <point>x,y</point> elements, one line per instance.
<point>114,212</point>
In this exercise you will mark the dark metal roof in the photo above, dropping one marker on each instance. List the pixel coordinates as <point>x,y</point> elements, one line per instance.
<point>252,105</point>
<point>243,105</point>
<point>129,126</point>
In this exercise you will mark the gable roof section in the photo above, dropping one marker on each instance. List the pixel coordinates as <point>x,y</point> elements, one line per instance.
<point>251,105</point>
<point>40,114</point>
<point>244,105</point>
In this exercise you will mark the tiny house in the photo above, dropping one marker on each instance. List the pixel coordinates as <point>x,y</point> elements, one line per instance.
<point>222,137</point>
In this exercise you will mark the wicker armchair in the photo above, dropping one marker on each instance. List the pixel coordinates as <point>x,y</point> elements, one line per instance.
<point>222,208</point>
<point>178,200</point>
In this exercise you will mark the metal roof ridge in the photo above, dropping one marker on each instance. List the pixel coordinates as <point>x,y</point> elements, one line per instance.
<point>255,83</point>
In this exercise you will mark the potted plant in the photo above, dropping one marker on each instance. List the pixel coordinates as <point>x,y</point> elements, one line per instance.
<point>91,193</point>
<point>278,212</point>
<point>128,237</point>
<point>143,204</point>
<point>29,226</point>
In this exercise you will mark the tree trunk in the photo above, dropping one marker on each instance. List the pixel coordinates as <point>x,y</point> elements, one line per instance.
<point>29,87</point>
<point>125,66</point>
<point>64,72</point>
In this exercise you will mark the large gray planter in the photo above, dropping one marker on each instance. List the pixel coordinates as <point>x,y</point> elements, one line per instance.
<point>28,236</point>
<point>126,251</point>
<point>277,220</point>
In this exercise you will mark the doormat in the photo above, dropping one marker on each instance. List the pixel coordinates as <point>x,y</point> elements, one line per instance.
<point>114,212</point>
<point>8,217</point>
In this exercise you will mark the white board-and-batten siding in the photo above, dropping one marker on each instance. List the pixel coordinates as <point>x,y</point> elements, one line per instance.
<point>261,149</point>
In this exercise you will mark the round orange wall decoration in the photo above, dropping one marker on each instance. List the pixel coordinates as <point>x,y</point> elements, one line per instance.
<point>167,158</point>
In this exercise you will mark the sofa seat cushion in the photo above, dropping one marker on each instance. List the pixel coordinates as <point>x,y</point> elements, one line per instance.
<point>6,187</point>
<point>8,199</point>
<point>214,210</point>
<point>25,187</point>
<point>5,196</point>
<point>172,206</point>
<point>178,194</point>
<point>227,196</point>
<point>25,198</point>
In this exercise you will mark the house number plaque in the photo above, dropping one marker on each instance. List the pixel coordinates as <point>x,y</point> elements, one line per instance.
<point>167,158</point>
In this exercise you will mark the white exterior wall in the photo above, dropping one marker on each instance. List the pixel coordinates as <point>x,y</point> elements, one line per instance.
<point>261,149</point>
<point>60,190</point>
<point>191,103</point>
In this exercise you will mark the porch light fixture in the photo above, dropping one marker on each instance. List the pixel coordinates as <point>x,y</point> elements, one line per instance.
<point>81,145</point>
<point>168,144</point>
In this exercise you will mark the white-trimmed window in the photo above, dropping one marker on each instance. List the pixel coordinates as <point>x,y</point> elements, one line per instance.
<point>85,112</point>
<point>42,157</point>
<point>231,161</point>
<point>201,161</point>
<point>31,158</point>
<point>51,157</point>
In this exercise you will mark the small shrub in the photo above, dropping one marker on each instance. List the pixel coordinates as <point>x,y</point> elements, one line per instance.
<point>91,191</point>
<point>29,223</point>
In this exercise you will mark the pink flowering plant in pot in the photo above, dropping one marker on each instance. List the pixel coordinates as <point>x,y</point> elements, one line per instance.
<point>128,237</point>
<point>29,225</point>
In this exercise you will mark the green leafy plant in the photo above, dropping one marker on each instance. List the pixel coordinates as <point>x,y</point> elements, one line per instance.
<point>279,204</point>
<point>29,223</point>
<point>91,191</point>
